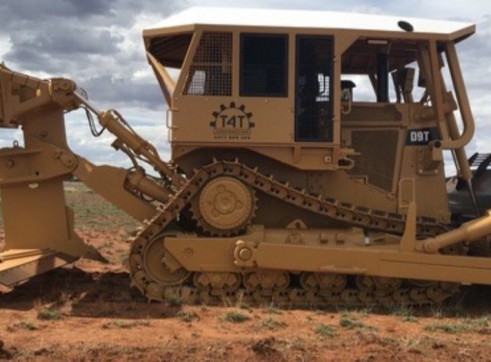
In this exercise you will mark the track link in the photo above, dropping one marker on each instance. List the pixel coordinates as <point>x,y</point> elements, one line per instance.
<point>189,292</point>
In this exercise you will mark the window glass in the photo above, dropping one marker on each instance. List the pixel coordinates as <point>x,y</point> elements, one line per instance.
<point>263,65</point>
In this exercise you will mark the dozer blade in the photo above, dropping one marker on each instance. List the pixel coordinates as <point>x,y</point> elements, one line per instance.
<point>18,265</point>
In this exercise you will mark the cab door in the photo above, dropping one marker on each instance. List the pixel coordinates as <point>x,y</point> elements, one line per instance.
<point>313,89</point>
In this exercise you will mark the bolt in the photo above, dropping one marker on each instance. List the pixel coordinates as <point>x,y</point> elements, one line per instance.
<point>245,254</point>
<point>188,252</point>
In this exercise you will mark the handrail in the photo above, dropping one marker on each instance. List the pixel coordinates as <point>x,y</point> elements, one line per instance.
<point>462,99</point>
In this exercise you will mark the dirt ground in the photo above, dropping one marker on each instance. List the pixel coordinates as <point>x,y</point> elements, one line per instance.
<point>88,312</point>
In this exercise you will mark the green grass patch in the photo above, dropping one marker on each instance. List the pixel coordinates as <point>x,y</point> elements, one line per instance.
<point>30,326</point>
<point>273,310</point>
<point>405,314</point>
<point>446,328</point>
<point>243,305</point>
<point>174,301</point>
<point>236,317</point>
<point>119,324</point>
<point>466,325</point>
<point>347,321</point>
<point>187,317</point>
<point>95,213</point>
<point>49,314</point>
<point>272,324</point>
<point>324,330</point>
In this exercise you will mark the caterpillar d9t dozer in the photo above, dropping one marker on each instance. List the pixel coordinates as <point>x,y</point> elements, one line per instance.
<point>307,163</point>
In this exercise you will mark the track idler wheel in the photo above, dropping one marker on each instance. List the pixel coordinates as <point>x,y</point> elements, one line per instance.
<point>161,268</point>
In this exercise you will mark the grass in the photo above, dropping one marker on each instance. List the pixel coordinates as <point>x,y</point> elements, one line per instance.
<point>97,219</point>
<point>49,314</point>
<point>174,301</point>
<point>119,324</point>
<point>483,325</point>
<point>26,325</point>
<point>437,312</point>
<point>446,328</point>
<point>187,317</point>
<point>324,330</point>
<point>273,310</point>
<point>365,311</point>
<point>272,324</point>
<point>95,213</point>
<point>466,325</point>
<point>30,326</point>
<point>407,344</point>
<point>298,343</point>
<point>243,305</point>
<point>405,313</point>
<point>347,321</point>
<point>235,317</point>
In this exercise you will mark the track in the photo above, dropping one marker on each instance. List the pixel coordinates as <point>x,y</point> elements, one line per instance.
<point>282,288</point>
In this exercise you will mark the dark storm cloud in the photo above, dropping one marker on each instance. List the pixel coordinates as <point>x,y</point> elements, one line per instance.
<point>16,14</point>
<point>22,11</point>
<point>65,52</point>
<point>123,92</point>
<point>53,42</point>
<point>90,41</point>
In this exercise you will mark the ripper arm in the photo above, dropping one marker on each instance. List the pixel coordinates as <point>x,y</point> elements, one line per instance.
<point>31,177</point>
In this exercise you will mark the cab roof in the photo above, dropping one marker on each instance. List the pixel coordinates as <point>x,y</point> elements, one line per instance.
<point>195,17</point>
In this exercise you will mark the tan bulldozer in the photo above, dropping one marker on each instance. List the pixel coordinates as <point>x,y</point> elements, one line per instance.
<point>307,163</point>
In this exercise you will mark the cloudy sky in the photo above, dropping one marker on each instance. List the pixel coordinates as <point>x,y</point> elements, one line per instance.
<point>98,44</point>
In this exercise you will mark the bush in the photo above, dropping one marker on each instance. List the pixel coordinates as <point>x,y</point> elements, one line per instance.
<point>235,317</point>
<point>49,314</point>
<point>325,330</point>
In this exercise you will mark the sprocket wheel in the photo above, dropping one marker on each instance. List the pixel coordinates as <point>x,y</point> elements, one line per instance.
<point>224,206</point>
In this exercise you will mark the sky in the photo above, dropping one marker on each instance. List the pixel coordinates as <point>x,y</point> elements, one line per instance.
<point>98,44</point>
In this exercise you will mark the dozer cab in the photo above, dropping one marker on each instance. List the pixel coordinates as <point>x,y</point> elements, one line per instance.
<point>307,163</point>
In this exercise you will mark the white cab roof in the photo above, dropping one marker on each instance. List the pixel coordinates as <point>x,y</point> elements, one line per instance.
<point>311,20</point>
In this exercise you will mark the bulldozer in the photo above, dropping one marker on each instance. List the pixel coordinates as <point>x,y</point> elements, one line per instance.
<point>307,163</point>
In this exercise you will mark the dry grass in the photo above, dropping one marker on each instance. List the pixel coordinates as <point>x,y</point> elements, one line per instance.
<point>467,325</point>
<point>272,324</point>
<point>94,213</point>
<point>236,317</point>
<point>324,330</point>
<point>49,314</point>
<point>187,317</point>
<point>121,324</point>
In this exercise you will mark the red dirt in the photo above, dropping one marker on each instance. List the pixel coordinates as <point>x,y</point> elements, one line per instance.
<point>102,318</point>
<point>88,312</point>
